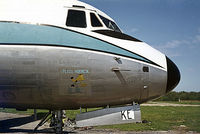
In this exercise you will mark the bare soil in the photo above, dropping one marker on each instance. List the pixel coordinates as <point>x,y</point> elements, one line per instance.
<point>168,104</point>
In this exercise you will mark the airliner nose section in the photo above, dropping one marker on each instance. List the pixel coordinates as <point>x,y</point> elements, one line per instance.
<point>173,75</point>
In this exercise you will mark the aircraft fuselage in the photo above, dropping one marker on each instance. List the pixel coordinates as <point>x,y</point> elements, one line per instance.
<point>54,66</point>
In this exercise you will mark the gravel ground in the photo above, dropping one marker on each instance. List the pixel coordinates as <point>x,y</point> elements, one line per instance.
<point>168,104</point>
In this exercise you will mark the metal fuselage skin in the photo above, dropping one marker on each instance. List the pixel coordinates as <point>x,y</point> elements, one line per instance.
<point>51,67</point>
<point>42,77</point>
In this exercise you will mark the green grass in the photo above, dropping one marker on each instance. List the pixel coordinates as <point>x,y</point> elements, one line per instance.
<point>161,118</point>
<point>164,118</point>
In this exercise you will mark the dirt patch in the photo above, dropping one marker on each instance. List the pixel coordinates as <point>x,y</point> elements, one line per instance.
<point>168,104</point>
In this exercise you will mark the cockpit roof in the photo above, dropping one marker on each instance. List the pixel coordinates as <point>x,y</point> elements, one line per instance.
<point>42,5</point>
<point>77,3</point>
<point>51,12</point>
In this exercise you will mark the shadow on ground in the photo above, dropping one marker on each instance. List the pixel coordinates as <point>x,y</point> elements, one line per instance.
<point>6,126</point>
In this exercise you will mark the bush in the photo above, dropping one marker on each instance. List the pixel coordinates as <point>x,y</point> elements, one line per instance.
<point>175,96</point>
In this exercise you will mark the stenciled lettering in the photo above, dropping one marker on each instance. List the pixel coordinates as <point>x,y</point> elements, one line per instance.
<point>123,115</point>
<point>78,71</point>
<point>127,115</point>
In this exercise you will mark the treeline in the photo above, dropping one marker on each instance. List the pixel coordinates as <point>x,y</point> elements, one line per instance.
<point>176,96</point>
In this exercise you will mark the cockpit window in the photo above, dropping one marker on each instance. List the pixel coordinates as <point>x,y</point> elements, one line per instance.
<point>95,21</point>
<point>76,18</point>
<point>110,24</point>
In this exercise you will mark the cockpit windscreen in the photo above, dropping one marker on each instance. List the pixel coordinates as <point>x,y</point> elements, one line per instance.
<point>110,24</point>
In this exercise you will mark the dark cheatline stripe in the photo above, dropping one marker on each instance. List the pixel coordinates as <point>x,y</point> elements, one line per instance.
<point>117,35</point>
<point>15,33</point>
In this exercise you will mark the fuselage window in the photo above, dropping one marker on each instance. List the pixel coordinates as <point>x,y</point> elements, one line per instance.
<point>110,24</point>
<point>95,21</point>
<point>76,18</point>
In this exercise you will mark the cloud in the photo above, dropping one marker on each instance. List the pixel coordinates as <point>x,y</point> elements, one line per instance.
<point>173,53</point>
<point>134,30</point>
<point>172,44</point>
<point>130,31</point>
<point>170,52</point>
<point>197,38</point>
<point>191,69</point>
<point>173,48</point>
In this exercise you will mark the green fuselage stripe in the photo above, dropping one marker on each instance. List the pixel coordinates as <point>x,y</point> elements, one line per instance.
<point>14,33</point>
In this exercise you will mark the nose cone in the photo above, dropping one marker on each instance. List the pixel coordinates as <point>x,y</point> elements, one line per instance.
<point>173,75</point>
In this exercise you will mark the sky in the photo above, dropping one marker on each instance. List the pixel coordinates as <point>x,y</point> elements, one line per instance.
<point>171,26</point>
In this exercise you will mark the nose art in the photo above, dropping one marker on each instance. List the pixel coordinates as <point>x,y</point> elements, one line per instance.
<point>173,75</point>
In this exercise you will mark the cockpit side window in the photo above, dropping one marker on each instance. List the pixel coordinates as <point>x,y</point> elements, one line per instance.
<point>95,21</point>
<point>110,24</point>
<point>76,18</point>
